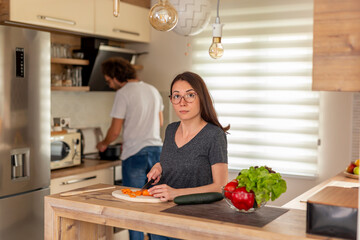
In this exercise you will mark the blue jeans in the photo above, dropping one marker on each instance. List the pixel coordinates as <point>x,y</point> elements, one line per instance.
<point>159,237</point>
<point>134,170</point>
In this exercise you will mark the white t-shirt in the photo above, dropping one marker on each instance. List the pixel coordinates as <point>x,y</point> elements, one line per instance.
<point>139,104</point>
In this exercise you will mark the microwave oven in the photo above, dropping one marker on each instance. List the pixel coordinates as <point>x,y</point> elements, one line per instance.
<point>65,150</point>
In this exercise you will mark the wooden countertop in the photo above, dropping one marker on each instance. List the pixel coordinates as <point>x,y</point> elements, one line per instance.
<point>87,166</point>
<point>94,213</point>
<point>300,201</point>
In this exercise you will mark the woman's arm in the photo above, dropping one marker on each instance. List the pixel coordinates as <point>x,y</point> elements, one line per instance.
<point>220,178</point>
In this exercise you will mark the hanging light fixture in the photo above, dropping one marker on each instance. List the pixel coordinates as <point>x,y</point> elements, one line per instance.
<point>163,16</point>
<point>216,49</point>
<point>116,7</point>
<point>194,16</point>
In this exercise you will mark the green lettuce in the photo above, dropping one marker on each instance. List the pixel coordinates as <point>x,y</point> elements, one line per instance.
<point>264,184</point>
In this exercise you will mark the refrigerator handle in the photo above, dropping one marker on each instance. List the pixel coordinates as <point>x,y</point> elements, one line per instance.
<point>19,163</point>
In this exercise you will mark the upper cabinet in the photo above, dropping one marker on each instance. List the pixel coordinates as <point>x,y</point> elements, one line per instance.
<point>72,15</point>
<point>131,24</point>
<point>336,54</point>
<point>82,17</point>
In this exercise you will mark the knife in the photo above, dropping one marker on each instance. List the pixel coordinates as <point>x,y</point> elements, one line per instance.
<point>147,185</point>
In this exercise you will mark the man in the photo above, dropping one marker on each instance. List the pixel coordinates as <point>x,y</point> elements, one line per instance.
<point>137,110</point>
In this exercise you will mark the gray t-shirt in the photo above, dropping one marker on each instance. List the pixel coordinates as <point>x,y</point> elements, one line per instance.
<point>190,165</point>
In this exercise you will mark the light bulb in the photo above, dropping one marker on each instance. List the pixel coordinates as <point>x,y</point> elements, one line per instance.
<point>163,16</point>
<point>216,49</point>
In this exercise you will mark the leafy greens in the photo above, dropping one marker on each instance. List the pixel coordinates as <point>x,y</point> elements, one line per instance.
<point>265,185</point>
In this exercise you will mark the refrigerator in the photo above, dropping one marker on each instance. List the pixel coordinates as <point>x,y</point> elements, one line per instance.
<point>24,131</point>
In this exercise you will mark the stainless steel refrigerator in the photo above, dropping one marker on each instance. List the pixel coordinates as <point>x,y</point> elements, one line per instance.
<point>24,131</point>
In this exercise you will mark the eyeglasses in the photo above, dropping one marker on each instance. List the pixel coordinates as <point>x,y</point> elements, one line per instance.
<point>189,97</point>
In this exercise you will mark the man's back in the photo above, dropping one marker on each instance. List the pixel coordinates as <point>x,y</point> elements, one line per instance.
<point>139,104</point>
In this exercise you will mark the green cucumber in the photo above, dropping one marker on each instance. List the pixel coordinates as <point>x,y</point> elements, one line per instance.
<point>198,198</point>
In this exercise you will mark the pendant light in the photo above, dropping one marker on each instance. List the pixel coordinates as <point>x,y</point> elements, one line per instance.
<point>116,7</point>
<point>163,16</point>
<point>216,49</point>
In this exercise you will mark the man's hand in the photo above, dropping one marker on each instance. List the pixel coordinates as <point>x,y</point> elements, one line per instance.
<point>101,146</point>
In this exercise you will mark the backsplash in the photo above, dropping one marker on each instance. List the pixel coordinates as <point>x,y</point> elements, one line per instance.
<point>92,109</point>
<point>85,109</point>
<point>355,154</point>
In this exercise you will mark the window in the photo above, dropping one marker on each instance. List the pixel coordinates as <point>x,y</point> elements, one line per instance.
<point>262,84</point>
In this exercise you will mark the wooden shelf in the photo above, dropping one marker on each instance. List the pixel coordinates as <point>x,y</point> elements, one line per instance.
<point>70,61</point>
<point>83,62</point>
<point>71,89</point>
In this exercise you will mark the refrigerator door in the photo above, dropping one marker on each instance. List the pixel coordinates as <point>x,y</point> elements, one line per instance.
<point>24,110</point>
<point>22,216</point>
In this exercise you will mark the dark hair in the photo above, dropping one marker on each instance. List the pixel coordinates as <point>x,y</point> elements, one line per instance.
<point>206,105</point>
<point>118,68</point>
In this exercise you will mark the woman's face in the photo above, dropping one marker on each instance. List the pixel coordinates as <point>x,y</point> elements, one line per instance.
<point>186,109</point>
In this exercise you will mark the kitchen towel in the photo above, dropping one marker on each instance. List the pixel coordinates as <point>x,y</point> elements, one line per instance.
<point>220,211</point>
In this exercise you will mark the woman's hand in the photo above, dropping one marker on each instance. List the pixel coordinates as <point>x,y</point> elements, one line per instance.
<point>155,173</point>
<point>163,191</point>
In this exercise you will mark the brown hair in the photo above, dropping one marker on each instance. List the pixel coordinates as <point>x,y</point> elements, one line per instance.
<point>118,68</point>
<point>206,105</point>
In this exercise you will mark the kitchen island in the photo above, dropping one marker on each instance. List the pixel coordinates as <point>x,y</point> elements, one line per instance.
<point>92,216</point>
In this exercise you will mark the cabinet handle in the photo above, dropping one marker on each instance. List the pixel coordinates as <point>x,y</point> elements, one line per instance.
<point>127,32</point>
<point>78,180</point>
<point>58,20</point>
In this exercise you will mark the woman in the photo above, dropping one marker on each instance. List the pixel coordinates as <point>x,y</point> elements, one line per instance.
<point>194,154</point>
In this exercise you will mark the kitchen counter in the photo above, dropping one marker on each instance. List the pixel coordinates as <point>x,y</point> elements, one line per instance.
<point>87,166</point>
<point>338,180</point>
<point>92,216</point>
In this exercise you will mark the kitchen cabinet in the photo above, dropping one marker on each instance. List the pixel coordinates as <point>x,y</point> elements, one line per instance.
<point>80,180</point>
<point>81,17</point>
<point>72,15</point>
<point>336,45</point>
<point>132,23</point>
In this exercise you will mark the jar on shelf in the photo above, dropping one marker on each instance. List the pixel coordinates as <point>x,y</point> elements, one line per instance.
<point>56,80</point>
<point>76,76</point>
<point>67,79</point>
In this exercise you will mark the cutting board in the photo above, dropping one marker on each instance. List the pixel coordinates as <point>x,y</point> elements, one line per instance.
<point>148,199</point>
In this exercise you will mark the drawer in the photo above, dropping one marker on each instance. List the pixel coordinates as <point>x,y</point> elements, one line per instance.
<point>68,183</point>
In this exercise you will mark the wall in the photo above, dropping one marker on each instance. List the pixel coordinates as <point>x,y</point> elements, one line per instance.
<point>166,58</point>
<point>356,128</point>
<point>85,109</point>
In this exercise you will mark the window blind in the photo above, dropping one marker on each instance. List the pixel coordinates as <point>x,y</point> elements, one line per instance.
<point>262,84</point>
